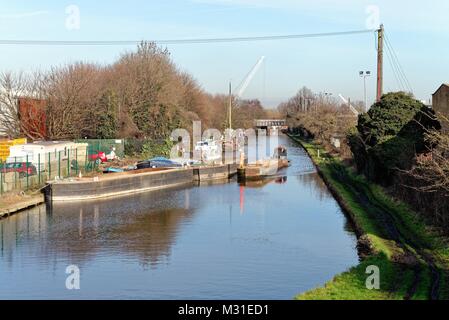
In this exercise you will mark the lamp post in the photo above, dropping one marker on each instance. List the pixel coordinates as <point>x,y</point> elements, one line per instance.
<point>364,75</point>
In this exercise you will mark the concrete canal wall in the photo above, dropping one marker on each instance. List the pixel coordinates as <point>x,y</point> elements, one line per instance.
<point>120,184</point>
<point>21,205</point>
<point>214,173</point>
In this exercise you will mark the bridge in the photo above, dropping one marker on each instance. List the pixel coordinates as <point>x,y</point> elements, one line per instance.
<point>272,126</point>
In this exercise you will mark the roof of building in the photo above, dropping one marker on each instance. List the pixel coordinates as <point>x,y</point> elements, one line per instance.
<point>41,144</point>
<point>51,143</point>
<point>443,85</point>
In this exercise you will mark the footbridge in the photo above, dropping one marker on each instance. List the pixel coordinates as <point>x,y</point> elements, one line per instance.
<point>272,126</point>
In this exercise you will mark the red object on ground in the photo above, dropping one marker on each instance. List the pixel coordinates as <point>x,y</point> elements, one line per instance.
<point>100,156</point>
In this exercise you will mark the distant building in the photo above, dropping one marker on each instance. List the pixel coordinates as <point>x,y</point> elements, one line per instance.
<point>40,153</point>
<point>440,103</point>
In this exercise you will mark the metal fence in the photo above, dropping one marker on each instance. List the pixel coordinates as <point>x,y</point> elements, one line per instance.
<point>34,171</point>
<point>105,145</point>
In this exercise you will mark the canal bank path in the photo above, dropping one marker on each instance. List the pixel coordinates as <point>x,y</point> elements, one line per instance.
<point>13,204</point>
<point>411,257</point>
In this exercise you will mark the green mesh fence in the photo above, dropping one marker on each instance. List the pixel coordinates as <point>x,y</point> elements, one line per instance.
<point>105,145</point>
<point>34,171</point>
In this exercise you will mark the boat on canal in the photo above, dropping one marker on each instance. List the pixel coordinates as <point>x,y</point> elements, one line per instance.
<point>265,168</point>
<point>208,151</point>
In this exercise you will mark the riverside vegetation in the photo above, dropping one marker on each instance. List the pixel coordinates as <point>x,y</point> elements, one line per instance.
<point>412,257</point>
<point>143,95</point>
<point>408,245</point>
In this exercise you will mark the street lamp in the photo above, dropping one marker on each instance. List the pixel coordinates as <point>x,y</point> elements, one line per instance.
<point>364,75</point>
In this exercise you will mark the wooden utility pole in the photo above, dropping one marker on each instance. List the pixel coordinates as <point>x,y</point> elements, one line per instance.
<point>380,62</point>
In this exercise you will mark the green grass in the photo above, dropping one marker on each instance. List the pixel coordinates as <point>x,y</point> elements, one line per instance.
<point>396,279</point>
<point>351,285</point>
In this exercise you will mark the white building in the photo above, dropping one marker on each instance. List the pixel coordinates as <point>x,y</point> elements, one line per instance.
<point>43,152</point>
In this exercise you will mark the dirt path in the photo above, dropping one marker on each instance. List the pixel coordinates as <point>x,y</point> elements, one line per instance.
<point>414,253</point>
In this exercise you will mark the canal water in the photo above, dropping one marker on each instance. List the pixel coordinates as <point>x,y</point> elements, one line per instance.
<point>268,240</point>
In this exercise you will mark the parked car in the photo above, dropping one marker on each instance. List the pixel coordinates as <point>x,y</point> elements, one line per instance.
<point>102,157</point>
<point>22,168</point>
<point>159,162</point>
<point>99,157</point>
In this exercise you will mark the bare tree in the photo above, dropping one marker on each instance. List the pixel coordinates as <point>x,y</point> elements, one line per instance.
<point>319,116</point>
<point>432,169</point>
<point>12,85</point>
<point>143,95</point>
<point>72,92</point>
<point>15,122</point>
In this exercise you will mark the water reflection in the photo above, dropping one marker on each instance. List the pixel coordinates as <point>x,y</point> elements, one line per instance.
<point>269,239</point>
<point>137,228</point>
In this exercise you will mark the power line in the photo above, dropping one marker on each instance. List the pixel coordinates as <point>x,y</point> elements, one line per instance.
<point>178,41</point>
<point>398,64</point>
<point>396,67</point>
<point>395,71</point>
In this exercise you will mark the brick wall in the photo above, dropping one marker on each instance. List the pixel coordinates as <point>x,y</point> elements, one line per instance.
<point>441,103</point>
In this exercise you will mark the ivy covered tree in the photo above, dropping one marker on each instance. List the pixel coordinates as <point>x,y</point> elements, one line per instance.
<point>107,121</point>
<point>390,135</point>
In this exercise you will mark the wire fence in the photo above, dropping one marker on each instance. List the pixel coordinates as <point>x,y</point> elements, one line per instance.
<point>105,145</point>
<point>32,172</point>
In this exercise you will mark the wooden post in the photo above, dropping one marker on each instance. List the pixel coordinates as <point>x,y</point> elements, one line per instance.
<point>380,62</point>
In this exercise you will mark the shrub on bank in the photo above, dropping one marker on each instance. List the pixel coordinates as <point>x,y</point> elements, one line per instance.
<point>390,135</point>
<point>148,148</point>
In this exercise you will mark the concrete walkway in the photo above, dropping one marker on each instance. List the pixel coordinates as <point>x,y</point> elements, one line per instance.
<point>26,203</point>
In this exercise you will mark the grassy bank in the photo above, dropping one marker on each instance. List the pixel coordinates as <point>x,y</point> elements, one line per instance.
<point>413,259</point>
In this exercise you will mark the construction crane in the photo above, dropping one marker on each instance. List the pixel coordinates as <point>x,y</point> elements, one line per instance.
<point>351,107</point>
<point>245,83</point>
<point>242,87</point>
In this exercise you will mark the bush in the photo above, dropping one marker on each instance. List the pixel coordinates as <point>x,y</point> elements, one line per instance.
<point>390,135</point>
<point>148,148</point>
<point>153,148</point>
<point>133,147</point>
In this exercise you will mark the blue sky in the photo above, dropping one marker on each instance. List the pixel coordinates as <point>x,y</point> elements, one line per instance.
<point>419,32</point>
